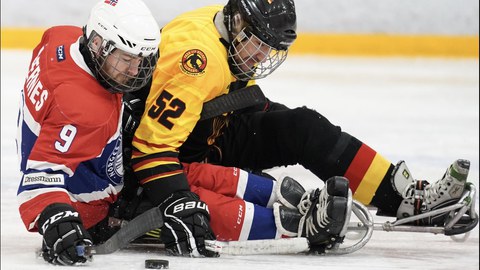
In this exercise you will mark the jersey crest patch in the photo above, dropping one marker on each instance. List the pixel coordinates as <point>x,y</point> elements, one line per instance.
<point>115,164</point>
<point>194,62</point>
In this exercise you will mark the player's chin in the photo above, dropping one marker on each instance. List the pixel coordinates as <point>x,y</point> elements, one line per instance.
<point>122,80</point>
<point>247,68</point>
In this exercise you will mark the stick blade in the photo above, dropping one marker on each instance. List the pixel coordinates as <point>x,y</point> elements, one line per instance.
<point>260,247</point>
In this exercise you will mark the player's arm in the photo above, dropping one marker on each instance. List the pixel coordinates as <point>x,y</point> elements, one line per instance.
<point>46,207</point>
<point>169,117</point>
<point>51,178</point>
<point>266,106</point>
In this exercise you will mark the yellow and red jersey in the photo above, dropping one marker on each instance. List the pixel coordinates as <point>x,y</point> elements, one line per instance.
<point>192,69</point>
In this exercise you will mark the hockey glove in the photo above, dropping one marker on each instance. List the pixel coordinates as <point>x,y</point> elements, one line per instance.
<point>186,225</point>
<point>63,232</point>
<point>132,112</point>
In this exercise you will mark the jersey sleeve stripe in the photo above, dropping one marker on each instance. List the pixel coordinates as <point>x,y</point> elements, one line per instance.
<point>160,161</point>
<point>32,202</point>
<point>138,156</point>
<point>160,169</point>
<point>44,166</point>
<point>150,145</point>
<point>160,176</point>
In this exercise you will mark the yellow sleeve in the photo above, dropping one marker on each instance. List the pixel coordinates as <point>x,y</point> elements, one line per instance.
<point>191,70</point>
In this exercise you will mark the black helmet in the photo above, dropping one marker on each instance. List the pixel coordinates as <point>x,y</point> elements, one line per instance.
<point>267,25</point>
<point>273,21</point>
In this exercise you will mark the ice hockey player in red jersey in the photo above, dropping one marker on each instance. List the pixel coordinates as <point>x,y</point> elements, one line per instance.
<point>69,126</point>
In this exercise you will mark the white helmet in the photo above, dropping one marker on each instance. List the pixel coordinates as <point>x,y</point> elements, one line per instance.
<point>127,25</point>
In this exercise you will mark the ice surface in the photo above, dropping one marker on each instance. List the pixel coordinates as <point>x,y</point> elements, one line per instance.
<point>424,111</point>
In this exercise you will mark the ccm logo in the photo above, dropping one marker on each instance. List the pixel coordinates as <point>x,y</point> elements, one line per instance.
<point>148,49</point>
<point>189,205</point>
<point>57,217</point>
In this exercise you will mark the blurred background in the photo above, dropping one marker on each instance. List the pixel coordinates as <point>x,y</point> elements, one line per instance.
<point>444,28</point>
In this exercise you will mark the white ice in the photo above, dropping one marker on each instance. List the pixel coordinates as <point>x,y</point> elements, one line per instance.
<point>424,111</point>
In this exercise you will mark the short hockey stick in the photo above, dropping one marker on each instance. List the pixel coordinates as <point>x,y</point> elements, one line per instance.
<point>238,99</point>
<point>140,225</point>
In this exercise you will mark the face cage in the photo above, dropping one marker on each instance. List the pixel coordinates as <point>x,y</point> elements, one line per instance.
<point>131,83</point>
<point>250,58</point>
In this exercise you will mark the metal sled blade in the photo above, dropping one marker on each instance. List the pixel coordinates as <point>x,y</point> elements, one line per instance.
<point>363,230</point>
<point>461,217</point>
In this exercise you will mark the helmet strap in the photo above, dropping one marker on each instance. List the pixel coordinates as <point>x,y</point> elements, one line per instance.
<point>93,65</point>
<point>86,53</point>
<point>228,20</point>
<point>219,22</point>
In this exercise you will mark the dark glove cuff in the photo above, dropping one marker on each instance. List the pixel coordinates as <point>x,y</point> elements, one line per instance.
<point>159,190</point>
<point>57,213</point>
<point>177,195</point>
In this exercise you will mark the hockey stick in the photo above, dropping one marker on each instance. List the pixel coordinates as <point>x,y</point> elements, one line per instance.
<point>140,225</point>
<point>260,247</point>
<point>249,247</point>
<point>297,244</point>
<point>239,99</point>
<point>152,219</point>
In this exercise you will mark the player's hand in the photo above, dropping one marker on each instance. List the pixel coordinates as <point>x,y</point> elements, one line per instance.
<point>132,112</point>
<point>63,235</point>
<point>186,225</point>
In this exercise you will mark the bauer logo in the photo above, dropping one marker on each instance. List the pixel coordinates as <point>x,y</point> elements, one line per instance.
<point>60,53</point>
<point>190,205</point>
<point>43,179</point>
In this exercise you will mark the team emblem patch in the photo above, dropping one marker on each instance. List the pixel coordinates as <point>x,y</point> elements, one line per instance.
<point>114,168</point>
<point>194,62</point>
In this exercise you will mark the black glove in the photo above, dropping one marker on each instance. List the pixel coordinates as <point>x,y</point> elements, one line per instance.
<point>186,225</point>
<point>132,112</point>
<point>63,232</point>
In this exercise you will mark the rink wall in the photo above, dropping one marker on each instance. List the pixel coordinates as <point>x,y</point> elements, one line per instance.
<point>437,28</point>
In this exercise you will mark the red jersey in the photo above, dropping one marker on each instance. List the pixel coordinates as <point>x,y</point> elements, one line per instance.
<point>69,133</point>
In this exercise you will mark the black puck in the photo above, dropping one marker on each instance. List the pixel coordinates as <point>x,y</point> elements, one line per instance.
<point>156,264</point>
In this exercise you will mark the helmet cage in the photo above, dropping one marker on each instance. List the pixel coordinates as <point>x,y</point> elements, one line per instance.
<point>274,23</point>
<point>251,58</point>
<point>123,81</point>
